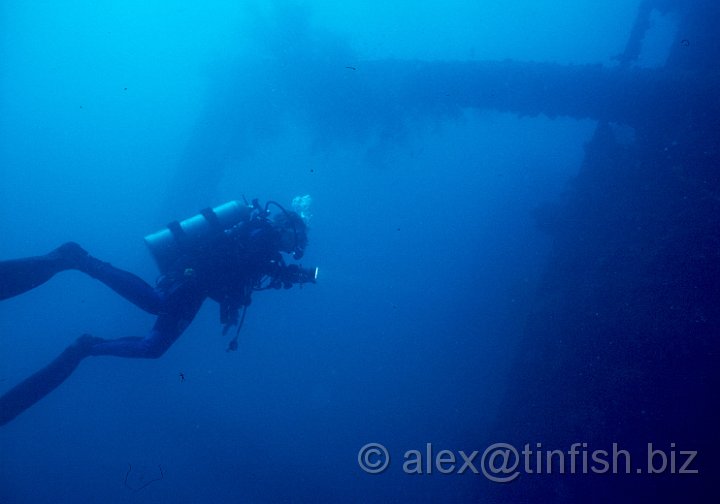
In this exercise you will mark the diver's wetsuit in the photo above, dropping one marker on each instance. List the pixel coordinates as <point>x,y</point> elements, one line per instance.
<point>224,274</point>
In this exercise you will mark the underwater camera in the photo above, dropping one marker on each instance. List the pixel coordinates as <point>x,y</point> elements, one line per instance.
<point>294,274</point>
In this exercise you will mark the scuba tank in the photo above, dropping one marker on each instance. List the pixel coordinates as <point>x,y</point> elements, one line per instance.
<point>168,244</point>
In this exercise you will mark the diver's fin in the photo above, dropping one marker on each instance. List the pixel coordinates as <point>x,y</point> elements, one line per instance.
<point>21,275</point>
<point>35,387</point>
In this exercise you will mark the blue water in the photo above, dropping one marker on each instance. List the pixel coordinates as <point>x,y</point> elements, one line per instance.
<point>118,117</point>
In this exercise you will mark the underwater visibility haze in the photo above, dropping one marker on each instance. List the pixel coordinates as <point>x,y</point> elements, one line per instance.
<point>513,208</point>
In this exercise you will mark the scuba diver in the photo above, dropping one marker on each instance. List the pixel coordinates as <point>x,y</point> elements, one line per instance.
<point>225,254</point>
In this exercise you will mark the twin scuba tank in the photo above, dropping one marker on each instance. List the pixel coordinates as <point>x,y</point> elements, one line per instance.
<point>168,244</point>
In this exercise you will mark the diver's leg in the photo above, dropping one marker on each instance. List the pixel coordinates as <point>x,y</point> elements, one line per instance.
<point>150,347</point>
<point>128,285</point>
<point>166,330</point>
<point>178,310</point>
<point>40,384</point>
<point>21,275</point>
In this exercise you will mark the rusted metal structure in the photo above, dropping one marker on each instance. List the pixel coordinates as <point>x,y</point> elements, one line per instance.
<point>622,342</point>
